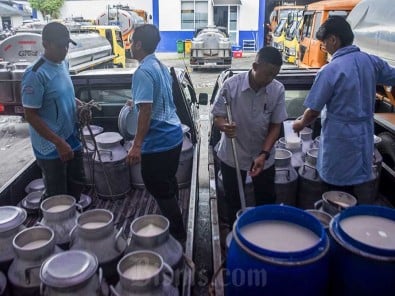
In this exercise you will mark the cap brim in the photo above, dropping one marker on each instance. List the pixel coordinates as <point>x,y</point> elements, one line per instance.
<point>72,41</point>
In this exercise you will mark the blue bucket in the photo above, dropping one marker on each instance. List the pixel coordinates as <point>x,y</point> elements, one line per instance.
<point>363,251</point>
<point>255,269</point>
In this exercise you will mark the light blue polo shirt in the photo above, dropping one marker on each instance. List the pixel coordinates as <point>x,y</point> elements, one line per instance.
<point>47,87</point>
<point>347,88</point>
<point>152,83</point>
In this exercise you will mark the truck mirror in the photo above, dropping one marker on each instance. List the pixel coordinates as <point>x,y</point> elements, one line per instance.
<point>203,99</point>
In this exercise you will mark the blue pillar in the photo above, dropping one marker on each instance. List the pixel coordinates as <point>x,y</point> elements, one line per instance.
<point>155,12</point>
<point>261,23</point>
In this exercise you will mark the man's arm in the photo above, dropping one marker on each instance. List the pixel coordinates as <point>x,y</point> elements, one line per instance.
<point>308,117</point>
<point>63,148</point>
<point>144,120</point>
<point>272,136</point>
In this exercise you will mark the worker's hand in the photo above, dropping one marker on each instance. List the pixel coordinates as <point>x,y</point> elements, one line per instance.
<point>134,155</point>
<point>130,103</point>
<point>229,129</point>
<point>257,166</point>
<point>298,125</point>
<point>65,151</point>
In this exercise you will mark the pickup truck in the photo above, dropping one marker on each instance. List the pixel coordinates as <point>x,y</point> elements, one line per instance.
<point>110,88</point>
<point>297,84</point>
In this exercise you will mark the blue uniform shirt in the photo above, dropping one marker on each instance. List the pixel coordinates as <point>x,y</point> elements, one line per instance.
<point>47,87</point>
<point>152,83</point>
<point>347,87</point>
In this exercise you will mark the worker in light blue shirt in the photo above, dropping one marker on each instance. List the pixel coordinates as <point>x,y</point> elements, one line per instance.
<point>158,140</point>
<point>346,87</point>
<point>50,109</point>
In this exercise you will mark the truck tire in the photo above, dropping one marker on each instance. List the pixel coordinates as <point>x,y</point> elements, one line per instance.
<point>387,148</point>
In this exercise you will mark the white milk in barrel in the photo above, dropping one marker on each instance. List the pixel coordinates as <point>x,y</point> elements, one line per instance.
<point>58,208</point>
<point>280,236</point>
<point>35,244</point>
<point>150,230</point>
<point>375,231</point>
<point>140,271</point>
<point>93,225</point>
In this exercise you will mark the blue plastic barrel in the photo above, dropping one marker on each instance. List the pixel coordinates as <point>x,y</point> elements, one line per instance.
<point>254,269</point>
<point>362,260</point>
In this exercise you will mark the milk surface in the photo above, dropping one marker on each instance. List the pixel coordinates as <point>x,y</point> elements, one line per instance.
<point>372,230</point>
<point>150,230</point>
<point>140,271</point>
<point>93,225</point>
<point>58,208</point>
<point>280,236</point>
<point>35,244</point>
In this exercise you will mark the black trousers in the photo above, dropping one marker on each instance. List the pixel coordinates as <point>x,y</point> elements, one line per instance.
<point>63,177</point>
<point>264,190</point>
<point>159,175</point>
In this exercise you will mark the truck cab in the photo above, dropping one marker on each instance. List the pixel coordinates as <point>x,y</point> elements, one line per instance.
<point>316,13</point>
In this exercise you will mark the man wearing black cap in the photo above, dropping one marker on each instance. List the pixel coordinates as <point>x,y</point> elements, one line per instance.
<point>50,108</point>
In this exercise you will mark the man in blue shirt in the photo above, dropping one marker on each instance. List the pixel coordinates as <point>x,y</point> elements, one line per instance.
<point>347,88</point>
<point>50,109</point>
<point>159,136</point>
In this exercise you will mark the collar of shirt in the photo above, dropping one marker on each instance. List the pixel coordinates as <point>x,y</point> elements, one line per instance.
<point>147,58</point>
<point>246,84</point>
<point>345,50</point>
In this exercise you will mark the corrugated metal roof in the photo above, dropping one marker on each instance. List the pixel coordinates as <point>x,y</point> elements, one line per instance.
<point>7,10</point>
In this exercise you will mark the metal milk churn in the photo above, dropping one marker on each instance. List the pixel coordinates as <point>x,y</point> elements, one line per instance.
<point>111,172</point>
<point>286,178</point>
<point>60,214</point>
<point>184,170</point>
<point>310,184</point>
<point>72,273</point>
<point>306,135</point>
<point>89,150</point>
<point>333,202</point>
<point>17,70</point>
<point>11,222</point>
<point>144,273</point>
<point>316,142</point>
<point>136,178</point>
<point>5,83</point>
<point>32,246</point>
<point>151,232</point>
<point>95,232</point>
<point>280,143</point>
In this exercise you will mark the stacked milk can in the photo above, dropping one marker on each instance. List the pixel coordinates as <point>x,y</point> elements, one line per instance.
<point>82,253</point>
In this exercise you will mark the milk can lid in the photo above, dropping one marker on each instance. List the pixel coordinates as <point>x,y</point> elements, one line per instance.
<point>108,138</point>
<point>94,128</point>
<point>127,122</point>
<point>340,199</point>
<point>11,217</point>
<point>68,268</point>
<point>35,185</point>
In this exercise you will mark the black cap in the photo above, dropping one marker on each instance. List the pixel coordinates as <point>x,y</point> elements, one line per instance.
<point>57,33</point>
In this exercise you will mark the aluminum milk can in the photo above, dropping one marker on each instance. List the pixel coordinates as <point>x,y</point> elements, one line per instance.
<point>286,178</point>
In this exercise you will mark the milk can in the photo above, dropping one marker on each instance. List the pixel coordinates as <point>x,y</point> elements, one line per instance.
<point>144,273</point>
<point>72,273</point>
<point>316,142</point>
<point>17,71</point>
<point>151,232</point>
<point>136,179</point>
<point>89,149</point>
<point>11,222</point>
<point>333,202</point>
<point>111,172</point>
<point>3,285</point>
<point>281,143</point>
<point>306,135</point>
<point>32,246</point>
<point>5,83</point>
<point>60,214</point>
<point>286,178</point>
<point>310,184</point>
<point>95,232</point>
<point>184,170</point>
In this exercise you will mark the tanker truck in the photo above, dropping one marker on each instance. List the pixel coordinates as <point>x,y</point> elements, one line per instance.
<point>18,51</point>
<point>211,48</point>
<point>126,18</point>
